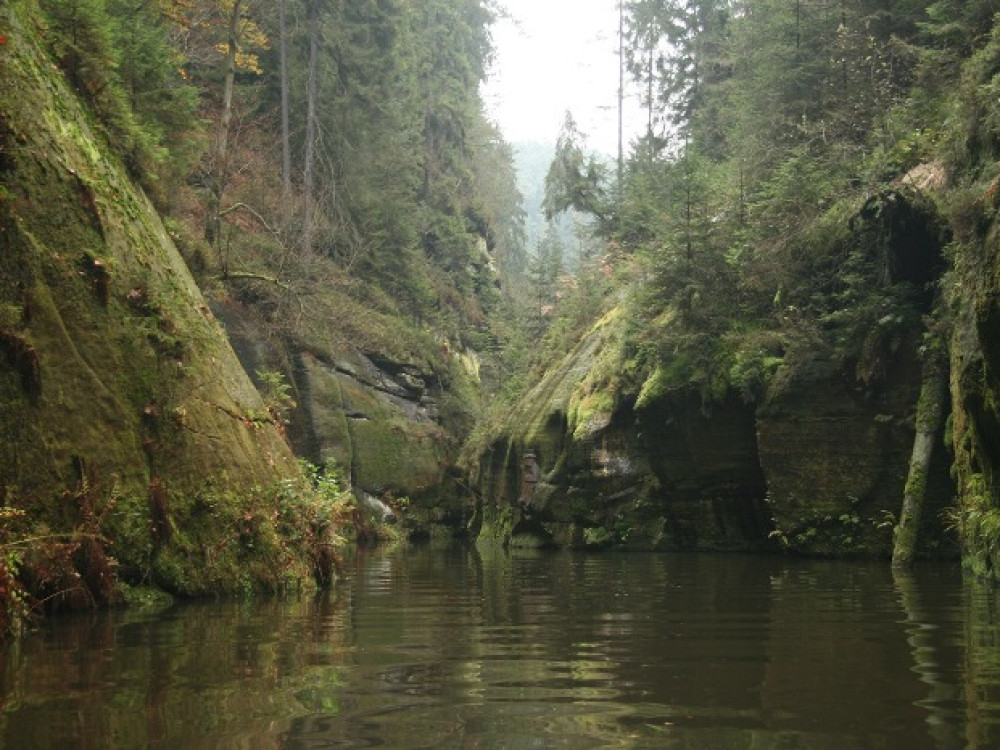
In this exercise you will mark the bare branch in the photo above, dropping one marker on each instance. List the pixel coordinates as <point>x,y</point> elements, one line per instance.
<point>253,212</point>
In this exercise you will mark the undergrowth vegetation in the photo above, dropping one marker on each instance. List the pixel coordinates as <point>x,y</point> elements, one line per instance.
<point>89,545</point>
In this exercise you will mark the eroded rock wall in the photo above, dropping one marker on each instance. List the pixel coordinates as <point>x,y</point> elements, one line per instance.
<point>835,454</point>
<point>818,466</point>
<point>975,385</point>
<point>671,475</point>
<point>377,419</point>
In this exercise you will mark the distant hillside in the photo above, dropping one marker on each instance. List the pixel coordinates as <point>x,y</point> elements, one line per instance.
<point>531,162</point>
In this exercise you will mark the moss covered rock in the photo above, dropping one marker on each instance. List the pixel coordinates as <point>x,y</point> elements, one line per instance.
<point>975,391</point>
<point>116,381</point>
<point>656,473</point>
<point>835,453</point>
<point>377,411</point>
<point>798,436</point>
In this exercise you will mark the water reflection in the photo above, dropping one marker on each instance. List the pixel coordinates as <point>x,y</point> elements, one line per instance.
<point>195,676</point>
<point>428,647</point>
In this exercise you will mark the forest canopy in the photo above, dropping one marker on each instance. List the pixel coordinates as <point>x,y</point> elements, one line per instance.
<point>773,132</point>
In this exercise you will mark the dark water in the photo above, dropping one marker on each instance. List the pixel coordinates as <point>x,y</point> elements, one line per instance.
<point>444,648</point>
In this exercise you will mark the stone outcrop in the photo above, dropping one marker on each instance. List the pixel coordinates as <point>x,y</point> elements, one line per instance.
<point>706,461</point>
<point>975,385</point>
<point>667,475</point>
<point>377,419</point>
<point>818,465</point>
<point>835,452</point>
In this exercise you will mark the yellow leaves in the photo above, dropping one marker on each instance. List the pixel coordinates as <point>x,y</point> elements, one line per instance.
<point>179,12</point>
<point>205,24</point>
<point>247,62</point>
<point>249,37</point>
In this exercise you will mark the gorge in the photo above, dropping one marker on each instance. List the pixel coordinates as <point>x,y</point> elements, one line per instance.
<point>217,370</point>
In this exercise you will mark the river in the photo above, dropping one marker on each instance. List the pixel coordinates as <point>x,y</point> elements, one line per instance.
<point>444,647</point>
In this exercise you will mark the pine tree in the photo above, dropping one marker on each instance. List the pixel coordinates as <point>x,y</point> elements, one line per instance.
<point>575,179</point>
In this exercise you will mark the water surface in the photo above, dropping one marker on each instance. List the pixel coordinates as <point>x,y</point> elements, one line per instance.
<point>425,647</point>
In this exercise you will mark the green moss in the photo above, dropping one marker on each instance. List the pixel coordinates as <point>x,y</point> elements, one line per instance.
<point>136,380</point>
<point>589,413</point>
<point>368,321</point>
<point>915,484</point>
<point>751,372</point>
<point>141,597</point>
<point>397,454</point>
<point>599,537</point>
<point>654,389</point>
<point>498,525</point>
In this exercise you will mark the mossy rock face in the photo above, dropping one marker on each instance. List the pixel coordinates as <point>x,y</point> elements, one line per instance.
<point>392,455</point>
<point>818,466</point>
<point>362,420</point>
<point>706,460</point>
<point>321,414</point>
<point>375,417</point>
<point>112,367</point>
<point>975,393</point>
<point>665,476</point>
<point>825,446</point>
<point>835,455</point>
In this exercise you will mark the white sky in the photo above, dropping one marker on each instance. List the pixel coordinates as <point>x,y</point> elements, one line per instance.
<point>553,56</point>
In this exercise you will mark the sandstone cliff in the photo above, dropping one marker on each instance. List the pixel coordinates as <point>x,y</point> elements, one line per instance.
<point>124,410</point>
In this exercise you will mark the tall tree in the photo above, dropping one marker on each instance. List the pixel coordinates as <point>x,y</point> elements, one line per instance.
<point>575,179</point>
<point>644,46</point>
<point>149,68</point>
<point>238,28</point>
<point>220,157</point>
<point>545,268</point>
<point>286,141</point>
<point>312,127</point>
<point>676,51</point>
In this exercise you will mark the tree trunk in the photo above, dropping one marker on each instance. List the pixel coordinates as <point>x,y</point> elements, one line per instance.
<point>650,73</point>
<point>218,178</point>
<point>309,165</point>
<point>621,107</point>
<point>286,149</point>
<point>930,412</point>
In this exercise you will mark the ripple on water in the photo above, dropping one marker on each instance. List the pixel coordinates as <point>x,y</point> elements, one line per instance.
<point>434,648</point>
